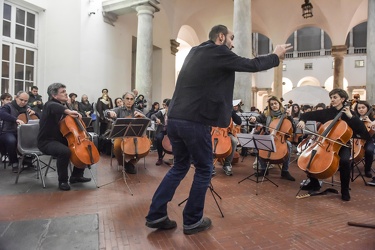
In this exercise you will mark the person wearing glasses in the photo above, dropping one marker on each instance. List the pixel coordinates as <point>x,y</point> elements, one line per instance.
<point>9,115</point>
<point>126,111</point>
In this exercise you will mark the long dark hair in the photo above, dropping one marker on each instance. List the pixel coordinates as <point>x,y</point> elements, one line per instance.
<point>369,108</point>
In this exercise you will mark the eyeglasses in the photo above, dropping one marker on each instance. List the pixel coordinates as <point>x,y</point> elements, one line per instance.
<point>130,99</point>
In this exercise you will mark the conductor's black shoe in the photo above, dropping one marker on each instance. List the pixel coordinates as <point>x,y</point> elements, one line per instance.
<point>64,186</point>
<point>164,225</point>
<point>206,223</point>
<point>74,179</point>
<point>312,186</point>
<point>345,196</point>
<point>261,173</point>
<point>286,175</point>
<point>130,168</point>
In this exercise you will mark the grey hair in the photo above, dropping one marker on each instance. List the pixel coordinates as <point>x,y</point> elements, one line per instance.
<point>128,93</point>
<point>20,93</point>
<point>53,89</point>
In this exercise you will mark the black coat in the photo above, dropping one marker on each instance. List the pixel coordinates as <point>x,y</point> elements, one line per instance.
<point>204,88</point>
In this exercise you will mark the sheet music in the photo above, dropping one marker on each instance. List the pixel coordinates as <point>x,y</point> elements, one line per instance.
<point>129,127</point>
<point>309,126</point>
<point>263,142</point>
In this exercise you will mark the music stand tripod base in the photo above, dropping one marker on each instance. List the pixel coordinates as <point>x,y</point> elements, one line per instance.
<point>258,142</point>
<point>213,193</point>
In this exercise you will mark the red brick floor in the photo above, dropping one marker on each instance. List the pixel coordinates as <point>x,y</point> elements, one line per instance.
<point>273,219</point>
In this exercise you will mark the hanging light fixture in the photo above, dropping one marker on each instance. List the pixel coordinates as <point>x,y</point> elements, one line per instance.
<point>307,9</point>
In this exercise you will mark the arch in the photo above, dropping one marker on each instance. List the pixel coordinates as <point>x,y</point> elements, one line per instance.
<point>308,80</point>
<point>187,37</point>
<point>328,84</point>
<point>287,85</point>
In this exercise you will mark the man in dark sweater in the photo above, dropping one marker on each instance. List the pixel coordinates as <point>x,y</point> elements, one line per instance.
<point>202,98</point>
<point>338,99</point>
<point>50,139</point>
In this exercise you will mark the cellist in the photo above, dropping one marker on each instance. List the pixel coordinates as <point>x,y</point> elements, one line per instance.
<point>128,110</point>
<point>365,114</point>
<point>274,111</point>
<point>236,120</point>
<point>50,139</point>
<point>338,98</point>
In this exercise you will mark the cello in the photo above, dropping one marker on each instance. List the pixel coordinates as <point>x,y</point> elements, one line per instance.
<point>132,147</point>
<point>83,150</point>
<point>283,127</point>
<point>25,117</point>
<point>221,142</point>
<point>321,159</point>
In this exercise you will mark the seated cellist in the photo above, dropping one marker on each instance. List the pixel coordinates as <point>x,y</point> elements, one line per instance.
<point>128,110</point>
<point>236,119</point>
<point>50,139</point>
<point>274,111</point>
<point>338,98</point>
<point>365,114</point>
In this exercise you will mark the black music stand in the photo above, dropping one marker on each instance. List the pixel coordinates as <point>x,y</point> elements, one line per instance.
<point>245,118</point>
<point>128,127</point>
<point>213,193</point>
<point>263,142</point>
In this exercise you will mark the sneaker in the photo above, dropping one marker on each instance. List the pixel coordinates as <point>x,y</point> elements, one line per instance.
<point>312,185</point>
<point>213,172</point>
<point>206,223</point>
<point>368,174</point>
<point>159,162</point>
<point>164,225</point>
<point>64,186</point>
<point>228,170</point>
<point>372,182</point>
<point>286,175</point>
<point>130,168</point>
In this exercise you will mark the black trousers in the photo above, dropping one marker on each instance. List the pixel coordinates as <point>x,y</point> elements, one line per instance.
<point>344,169</point>
<point>62,154</point>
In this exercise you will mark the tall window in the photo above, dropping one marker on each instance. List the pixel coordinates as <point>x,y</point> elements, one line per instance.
<point>19,49</point>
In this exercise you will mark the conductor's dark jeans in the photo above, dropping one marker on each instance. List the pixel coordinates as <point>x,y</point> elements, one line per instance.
<point>187,139</point>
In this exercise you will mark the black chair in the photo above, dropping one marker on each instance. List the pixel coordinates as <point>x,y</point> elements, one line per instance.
<point>27,146</point>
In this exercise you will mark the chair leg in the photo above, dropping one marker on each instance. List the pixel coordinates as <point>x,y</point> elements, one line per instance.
<point>19,168</point>
<point>39,171</point>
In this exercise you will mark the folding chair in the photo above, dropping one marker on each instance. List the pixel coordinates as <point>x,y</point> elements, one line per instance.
<point>27,146</point>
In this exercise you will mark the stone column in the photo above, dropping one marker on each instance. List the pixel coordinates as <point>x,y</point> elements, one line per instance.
<point>277,80</point>
<point>242,47</point>
<point>338,52</point>
<point>370,68</point>
<point>143,76</point>
<point>295,46</point>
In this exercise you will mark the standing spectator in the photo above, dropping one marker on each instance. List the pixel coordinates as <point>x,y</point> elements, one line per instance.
<point>104,102</point>
<point>72,101</point>
<point>35,100</point>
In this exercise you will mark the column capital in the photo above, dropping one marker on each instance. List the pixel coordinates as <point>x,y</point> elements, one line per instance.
<point>121,7</point>
<point>174,46</point>
<point>338,50</point>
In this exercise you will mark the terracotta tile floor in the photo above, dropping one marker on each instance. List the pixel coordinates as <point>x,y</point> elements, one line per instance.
<point>273,219</point>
